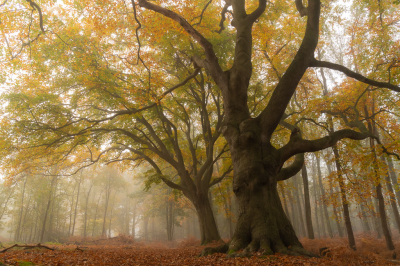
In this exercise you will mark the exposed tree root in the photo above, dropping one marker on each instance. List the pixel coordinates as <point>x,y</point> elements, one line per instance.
<point>209,251</point>
<point>255,246</point>
<point>26,247</point>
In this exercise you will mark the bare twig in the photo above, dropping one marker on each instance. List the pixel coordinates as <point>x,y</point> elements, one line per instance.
<point>26,247</point>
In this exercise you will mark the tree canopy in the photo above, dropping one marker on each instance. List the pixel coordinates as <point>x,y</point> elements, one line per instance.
<point>160,81</point>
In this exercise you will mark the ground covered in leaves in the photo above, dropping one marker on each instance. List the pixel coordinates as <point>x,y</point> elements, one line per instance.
<point>124,252</point>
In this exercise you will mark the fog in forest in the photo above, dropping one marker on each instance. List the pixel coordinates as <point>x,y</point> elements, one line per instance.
<point>104,202</point>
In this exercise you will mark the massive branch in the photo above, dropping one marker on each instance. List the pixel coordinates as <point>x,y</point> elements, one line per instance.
<point>272,114</point>
<point>354,75</point>
<point>298,145</point>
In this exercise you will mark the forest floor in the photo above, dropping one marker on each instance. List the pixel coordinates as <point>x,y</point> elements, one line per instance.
<point>121,251</point>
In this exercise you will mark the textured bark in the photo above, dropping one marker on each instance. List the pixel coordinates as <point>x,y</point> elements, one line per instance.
<point>208,226</point>
<point>257,164</point>
<point>262,222</point>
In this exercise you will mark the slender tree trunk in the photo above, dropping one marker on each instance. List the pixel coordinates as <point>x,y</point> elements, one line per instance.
<point>53,180</point>
<point>103,231</point>
<point>95,214</point>
<point>392,198</point>
<point>307,204</point>
<point>324,205</point>
<point>134,221</point>
<point>393,177</point>
<point>374,216</point>
<point>76,205</point>
<point>317,222</point>
<point>86,211</point>
<point>299,208</point>
<point>335,211</point>
<point>146,228</point>
<point>17,232</point>
<point>346,212</point>
<point>364,220</point>
<point>381,202</point>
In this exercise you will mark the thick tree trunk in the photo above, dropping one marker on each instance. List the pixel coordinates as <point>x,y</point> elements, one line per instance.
<point>208,226</point>
<point>262,222</point>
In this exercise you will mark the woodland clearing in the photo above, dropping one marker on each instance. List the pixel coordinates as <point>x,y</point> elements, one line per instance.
<point>371,251</point>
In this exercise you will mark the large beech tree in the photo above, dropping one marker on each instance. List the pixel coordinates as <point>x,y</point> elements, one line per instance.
<point>250,128</point>
<point>258,165</point>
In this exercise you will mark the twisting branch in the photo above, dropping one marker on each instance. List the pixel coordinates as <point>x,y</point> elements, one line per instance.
<point>262,4</point>
<point>211,62</point>
<point>138,40</point>
<point>228,3</point>
<point>298,145</point>
<point>354,75</point>
<point>202,13</point>
<point>39,10</point>
<point>219,179</point>
<point>291,170</point>
<point>301,8</point>
<point>282,94</point>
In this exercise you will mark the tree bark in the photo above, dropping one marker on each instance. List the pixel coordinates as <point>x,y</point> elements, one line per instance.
<point>208,226</point>
<point>53,180</point>
<point>307,204</point>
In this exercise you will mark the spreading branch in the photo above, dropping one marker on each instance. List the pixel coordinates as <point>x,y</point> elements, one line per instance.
<point>298,145</point>
<point>354,75</point>
<point>291,170</point>
<point>211,58</point>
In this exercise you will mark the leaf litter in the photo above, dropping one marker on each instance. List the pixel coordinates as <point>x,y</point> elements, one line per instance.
<point>370,251</point>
